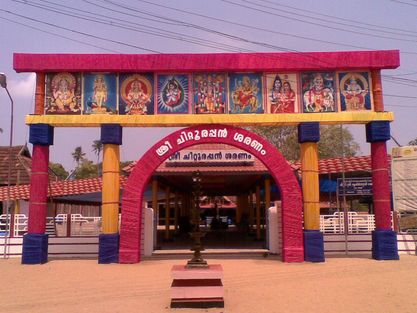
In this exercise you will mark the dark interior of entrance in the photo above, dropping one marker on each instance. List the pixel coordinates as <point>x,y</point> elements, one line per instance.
<point>232,209</point>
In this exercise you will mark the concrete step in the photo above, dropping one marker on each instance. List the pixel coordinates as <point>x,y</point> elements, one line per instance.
<point>184,254</point>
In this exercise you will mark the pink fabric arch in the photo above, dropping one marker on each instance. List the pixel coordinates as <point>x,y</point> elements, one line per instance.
<point>130,229</point>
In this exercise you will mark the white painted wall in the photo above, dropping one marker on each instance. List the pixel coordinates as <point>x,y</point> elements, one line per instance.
<point>24,207</point>
<point>148,234</point>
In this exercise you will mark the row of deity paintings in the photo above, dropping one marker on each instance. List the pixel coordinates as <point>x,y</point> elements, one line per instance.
<point>207,93</point>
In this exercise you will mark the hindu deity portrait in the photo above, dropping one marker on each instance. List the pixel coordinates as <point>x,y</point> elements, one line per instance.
<point>318,92</point>
<point>63,93</point>
<point>209,93</point>
<point>354,91</point>
<point>281,97</point>
<point>100,94</point>
<point>246,93</point>
<point>173,94</point>
<point>136,94</point>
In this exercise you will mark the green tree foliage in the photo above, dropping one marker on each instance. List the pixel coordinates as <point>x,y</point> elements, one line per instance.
<point>285,138</point>
<point>97,148</point>
<point>86,169</point>
<point>59,170</point>
<point>336,142</point>
<point>78,155</point>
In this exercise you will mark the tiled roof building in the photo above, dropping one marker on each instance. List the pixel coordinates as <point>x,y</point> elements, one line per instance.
<point>21,165</point>
<point>92,185</point>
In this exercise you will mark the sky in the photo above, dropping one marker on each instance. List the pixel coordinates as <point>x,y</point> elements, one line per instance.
<point>201,26</point>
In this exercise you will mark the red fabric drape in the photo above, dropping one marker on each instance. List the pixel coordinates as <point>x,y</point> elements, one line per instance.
<point>38,190</point>
<point>381,187</point>
<point>291,61</point>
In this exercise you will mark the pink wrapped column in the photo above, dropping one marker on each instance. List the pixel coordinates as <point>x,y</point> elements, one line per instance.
<point>381,187</point>
<point>35,242</point>
<point>384,239</point>
<point>38,198</point>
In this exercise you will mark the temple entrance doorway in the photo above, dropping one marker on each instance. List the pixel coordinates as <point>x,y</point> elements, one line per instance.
<point>132,231</point>
<point>237,191</point>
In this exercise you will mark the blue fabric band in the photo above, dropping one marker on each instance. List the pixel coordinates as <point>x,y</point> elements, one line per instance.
<point>111,134</point>
<point>108,249</point>
<point>35,249</point>
<point>313,246</point>
<point>378,131</point>
<point>309,132</point>
<point>384,245</point>
<point>41,134</point>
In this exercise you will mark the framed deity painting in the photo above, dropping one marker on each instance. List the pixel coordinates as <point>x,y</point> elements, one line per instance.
<point>318,92</point>
<point>245,93</point>
<point>209,93</point>
<point>173,94</point>
<point>63,93</point>
<point>100,93</point>
<point>281,93</point>
<point>354,91</point>
<point>136,94</point>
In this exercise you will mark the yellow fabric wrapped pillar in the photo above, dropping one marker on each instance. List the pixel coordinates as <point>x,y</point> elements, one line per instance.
<point>310,185</point>
<point>108,241</point>
<point>111,189</point>
<point>308,137</point>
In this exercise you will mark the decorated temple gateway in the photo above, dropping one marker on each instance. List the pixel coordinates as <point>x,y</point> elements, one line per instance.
<point>213,95</point>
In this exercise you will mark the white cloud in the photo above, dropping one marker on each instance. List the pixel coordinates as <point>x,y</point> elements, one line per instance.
<point>22,91</point>
<point>23,88</point>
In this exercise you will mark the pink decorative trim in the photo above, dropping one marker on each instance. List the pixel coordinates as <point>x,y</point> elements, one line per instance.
<point>264,62</point>
<point>280,170</point>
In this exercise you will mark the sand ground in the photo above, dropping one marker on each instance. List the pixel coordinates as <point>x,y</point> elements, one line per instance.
<point>354,284</point>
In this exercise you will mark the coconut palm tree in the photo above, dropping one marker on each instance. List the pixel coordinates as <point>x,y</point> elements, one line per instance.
<point>78,155</point>
<point>97,148</point>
